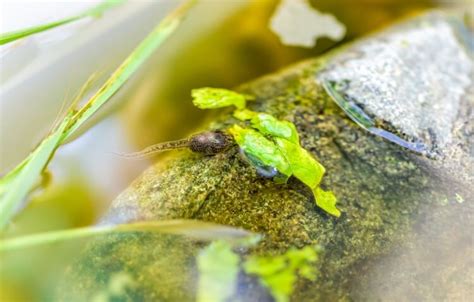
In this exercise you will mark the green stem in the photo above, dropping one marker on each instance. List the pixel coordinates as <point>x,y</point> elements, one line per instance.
<point>190,228</point>
<point>15,186</point>
<point>95,11</point>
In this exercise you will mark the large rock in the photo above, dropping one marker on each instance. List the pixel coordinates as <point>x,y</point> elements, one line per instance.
<point>420,87</point>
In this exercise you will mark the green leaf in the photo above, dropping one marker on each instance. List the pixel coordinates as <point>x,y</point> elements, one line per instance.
<point>326,201</point>
<point>218,268</point>
<point>304,166</point>
<point>125,71</point>
<point>282,151</point>
<point>273,273</point>
<point>280,285</point>
<point>268,125</point>
<point>16,184</point>
<point>261,148</point>
<point>212,98</point>
<point>244,114</point>
<point>278,273</point>
<point>265,265</point>
<point>93,12</point>
<point>190,228</point>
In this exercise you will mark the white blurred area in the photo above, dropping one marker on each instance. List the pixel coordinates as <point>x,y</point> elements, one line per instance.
<point>40,74</point>
<point>21,14</point>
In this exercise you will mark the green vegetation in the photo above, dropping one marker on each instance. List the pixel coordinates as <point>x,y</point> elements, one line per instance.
<point>96,11</point>
<point>191,228</point>
<point>257,146</point>
<point>279,273</point>
<point>273,143</point>
<point>382,189</point>
<point>212,98</point>
<point>218,268</point>
<point>15,186</point>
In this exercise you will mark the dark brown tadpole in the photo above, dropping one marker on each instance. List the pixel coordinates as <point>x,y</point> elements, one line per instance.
<point>210,143</point>
<point>207,143</point>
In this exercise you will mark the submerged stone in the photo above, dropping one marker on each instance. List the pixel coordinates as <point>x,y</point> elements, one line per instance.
<point>408,84</point>
<point>382,189</point>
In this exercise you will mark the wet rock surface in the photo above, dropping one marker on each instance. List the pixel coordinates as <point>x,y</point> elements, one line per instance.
<point>382,190</point>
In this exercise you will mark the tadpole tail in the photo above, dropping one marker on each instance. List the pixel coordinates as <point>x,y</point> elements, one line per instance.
<point>157,148</point>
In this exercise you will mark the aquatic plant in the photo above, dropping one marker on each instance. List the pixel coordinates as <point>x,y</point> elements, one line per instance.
<point>272,146</point>
<point>279,273</point>
<point>219,266</point>
<point>16,185</point>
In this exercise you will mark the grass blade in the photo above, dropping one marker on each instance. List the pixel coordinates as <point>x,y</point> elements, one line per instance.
<point>16,184</point>
<point>22,180</point>
<point>191,228</point>
<point>95,11</point>
<point>129,66</point>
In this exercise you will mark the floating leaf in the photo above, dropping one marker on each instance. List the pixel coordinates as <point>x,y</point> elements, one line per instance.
<point>211,98</point>
<point>93,12</point>
<point>261,148</point>
<point>218,268</point>
<point>326,201</point>
<point>304,166</point>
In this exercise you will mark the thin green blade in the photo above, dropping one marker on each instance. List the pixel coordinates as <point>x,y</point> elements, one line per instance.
<point>95,11</point>
<point>16,184</point>
<point>191,228</point>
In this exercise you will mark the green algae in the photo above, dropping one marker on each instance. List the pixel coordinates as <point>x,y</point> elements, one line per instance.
<point>274,146</point>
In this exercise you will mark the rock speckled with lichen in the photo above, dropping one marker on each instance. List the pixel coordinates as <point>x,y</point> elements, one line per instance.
<point>382,191</point>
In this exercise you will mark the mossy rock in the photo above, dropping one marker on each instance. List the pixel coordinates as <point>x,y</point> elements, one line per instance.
<point>382,189</point>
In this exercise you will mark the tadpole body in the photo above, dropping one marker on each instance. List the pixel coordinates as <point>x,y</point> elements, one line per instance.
<point>206,143</point>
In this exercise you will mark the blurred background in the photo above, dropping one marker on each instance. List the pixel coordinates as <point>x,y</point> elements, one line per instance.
<point>220,44</point>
